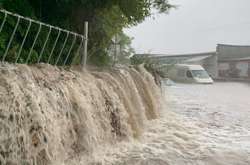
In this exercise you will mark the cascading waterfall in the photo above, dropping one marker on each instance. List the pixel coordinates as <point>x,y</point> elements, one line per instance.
<point>50,115</point>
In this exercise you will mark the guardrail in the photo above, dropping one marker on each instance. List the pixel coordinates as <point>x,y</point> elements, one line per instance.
<point>24,40</point>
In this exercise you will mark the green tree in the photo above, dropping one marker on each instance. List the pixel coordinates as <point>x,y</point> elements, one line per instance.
<point>106,17</point>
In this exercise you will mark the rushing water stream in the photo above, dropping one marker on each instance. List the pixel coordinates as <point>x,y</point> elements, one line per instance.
<point>53,116</point>
<point>202,124</point>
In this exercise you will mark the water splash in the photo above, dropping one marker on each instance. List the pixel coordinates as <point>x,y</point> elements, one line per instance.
<point>50,115</point>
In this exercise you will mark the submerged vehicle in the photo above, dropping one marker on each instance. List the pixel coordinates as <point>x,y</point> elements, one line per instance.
<point>189,74</point>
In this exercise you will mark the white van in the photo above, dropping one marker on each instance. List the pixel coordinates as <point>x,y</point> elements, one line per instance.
<point>189,74</point>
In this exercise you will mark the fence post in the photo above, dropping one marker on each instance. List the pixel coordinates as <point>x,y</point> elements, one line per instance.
<point>85,46</point>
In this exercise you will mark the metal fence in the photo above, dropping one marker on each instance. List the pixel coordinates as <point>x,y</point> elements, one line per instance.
<point>24,40</point>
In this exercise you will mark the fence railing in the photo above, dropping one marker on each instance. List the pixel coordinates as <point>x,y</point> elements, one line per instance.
<point>24,40</point>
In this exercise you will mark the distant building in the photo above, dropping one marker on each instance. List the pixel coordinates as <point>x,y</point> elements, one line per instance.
<point>233,61</point>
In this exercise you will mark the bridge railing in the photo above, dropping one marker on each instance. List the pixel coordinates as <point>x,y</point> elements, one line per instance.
<point>25,40</point>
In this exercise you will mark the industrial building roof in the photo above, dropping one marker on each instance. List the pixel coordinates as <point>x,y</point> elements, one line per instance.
<point>177,55</point>
<point>195,59</point>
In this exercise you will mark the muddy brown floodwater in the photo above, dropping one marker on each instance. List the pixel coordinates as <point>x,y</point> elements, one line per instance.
<point>201,125</point>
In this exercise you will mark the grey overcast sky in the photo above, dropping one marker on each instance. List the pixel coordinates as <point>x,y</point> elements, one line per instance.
<point>196,26</point>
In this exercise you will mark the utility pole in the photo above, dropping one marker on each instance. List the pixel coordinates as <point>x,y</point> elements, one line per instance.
<point>116,42</point>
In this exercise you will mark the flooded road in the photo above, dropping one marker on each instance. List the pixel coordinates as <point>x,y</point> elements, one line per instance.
<point>201,124</point>
<point>221,112</point>
<point>217,105</point>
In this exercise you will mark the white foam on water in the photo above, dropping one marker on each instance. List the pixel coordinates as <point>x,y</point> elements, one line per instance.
<point>196,128</point>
